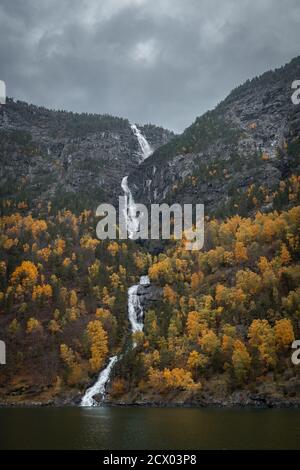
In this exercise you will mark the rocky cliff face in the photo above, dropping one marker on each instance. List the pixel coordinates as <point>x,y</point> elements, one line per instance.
<point>78,160</point>
<point>251,138</point>
<point>73,160</point>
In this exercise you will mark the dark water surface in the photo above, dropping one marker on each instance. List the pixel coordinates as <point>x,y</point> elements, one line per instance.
<point>148,428</point>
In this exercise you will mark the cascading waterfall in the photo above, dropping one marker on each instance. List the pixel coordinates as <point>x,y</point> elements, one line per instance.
<point>99,387</point>
<point>146,149</point>
<point>129,211</point>
<point>135,309</point>
<point>136,318</point>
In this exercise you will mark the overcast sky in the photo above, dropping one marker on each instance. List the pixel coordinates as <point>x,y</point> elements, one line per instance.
<point>159,61</point>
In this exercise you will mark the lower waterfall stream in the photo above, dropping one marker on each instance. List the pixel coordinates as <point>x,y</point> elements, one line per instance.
<point>99,386</point>
<point>136,318</point>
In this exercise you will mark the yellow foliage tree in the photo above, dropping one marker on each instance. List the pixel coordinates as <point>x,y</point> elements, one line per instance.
<point>99,344</point>
<point>54,327</point>
<point>285,256</point>
<point>196,360</point>
<point>172,379</point>
<point>67,355</point>
<point>195,324</point>
<point>26,274</point>
<point>33,326</point>
<point>196,280</point>
<point>284,333</point>
<point>240,252</point>
<point>262,338</point>
<point>73,299</point>
<point>248,281</point>
<point>43,292</point>
<point>209,342</point>
<point>170,295</point>
<point>241,360</point>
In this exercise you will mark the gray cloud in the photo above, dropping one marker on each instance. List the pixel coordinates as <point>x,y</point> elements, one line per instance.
<point>162,61</point>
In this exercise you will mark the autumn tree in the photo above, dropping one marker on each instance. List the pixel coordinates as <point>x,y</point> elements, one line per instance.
<point>73,299</point>
<point>54,326</point>
<point>196,361</point>
<point>108,321</point>
<point>261,338</point>
<point>33,326</point>
<point>284,334</point>
<point>98,344</point>
<point>209,343</point>
<point>285,256</point>
<point>240,252</point>
<point>196,324</point>
<point>75,370</point>
<point>228,339</point>
<point>26,275</point>
<point>248,281</point>
<point>169,295</point>
<point>196,280</point>
<point>172,379</point>
<point>151,327</point>
<point>241,361</point>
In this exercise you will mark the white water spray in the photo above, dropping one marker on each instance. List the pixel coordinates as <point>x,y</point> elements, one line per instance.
<point>146,149</point>
<point>135,309</point>
<point>136,318</point>
<point>130,210</point>
<point>99,386</point>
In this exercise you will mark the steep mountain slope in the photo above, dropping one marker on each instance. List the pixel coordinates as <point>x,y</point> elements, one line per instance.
<point>73,160</point>
<point>221,322</point>
<point>250,140</point>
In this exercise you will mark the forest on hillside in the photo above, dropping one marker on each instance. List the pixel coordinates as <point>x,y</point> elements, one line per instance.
<point>226,320</point>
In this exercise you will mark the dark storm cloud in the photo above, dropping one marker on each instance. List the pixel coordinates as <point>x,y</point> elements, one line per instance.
<point>162,61</point>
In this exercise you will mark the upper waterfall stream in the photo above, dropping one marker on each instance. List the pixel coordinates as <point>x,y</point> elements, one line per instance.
<point>146,149</point>
<point>135,309</point>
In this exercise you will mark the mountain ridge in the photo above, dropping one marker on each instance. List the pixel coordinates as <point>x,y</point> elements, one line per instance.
<point>72,160</point>
<point>249,138</point>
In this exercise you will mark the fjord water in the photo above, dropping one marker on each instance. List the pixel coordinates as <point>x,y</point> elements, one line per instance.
<point>148,428</point>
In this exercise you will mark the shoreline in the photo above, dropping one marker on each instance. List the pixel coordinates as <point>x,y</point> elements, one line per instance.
<point>249,404</point>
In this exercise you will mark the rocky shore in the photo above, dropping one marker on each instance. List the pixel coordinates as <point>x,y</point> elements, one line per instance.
<point>237,398</point>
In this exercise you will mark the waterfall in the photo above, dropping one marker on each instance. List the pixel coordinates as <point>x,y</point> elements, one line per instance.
<point>130,210</point>
<point>146,149</point>
<point>99,386</point>
<point>136,318</point>
<point>135,309</point>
